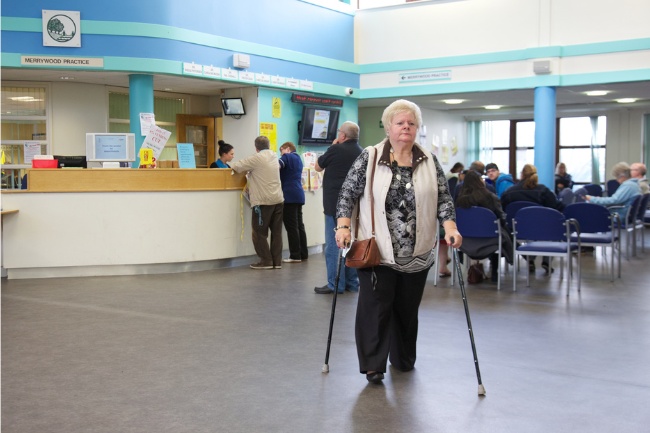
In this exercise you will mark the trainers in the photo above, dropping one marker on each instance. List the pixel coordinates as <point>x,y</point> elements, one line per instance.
<point>290,260</point>
<point>277,266</point>
<point>261,266</point>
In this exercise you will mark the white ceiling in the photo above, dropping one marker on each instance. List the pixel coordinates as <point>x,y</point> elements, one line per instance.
<point>513,101</point>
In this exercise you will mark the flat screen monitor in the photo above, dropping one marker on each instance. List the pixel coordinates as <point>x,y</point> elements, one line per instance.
<point>104,147</point>
<point>319,126</point>
<point>71,161</point>
<point>233,106</point>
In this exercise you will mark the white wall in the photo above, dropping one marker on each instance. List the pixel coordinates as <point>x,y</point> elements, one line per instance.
<point>77,109</point>
<point>436,121</point>
<point>241,133</point>
<point>439,29</point>
<point>624,138</point>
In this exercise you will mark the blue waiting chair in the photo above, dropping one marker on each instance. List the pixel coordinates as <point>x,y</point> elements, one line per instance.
<point>595,190</point>
<point>612,186</point>
<point>512,208</point>
<point>598,228</point>
<point>546,232</point>
<point>478,222</point>
<point>640,219</point>
<point>629,225</point>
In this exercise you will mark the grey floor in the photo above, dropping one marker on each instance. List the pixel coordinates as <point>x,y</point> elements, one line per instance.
<point>238,350</point>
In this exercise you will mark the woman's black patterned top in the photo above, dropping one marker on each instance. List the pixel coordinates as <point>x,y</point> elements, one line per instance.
<point>400,209</point>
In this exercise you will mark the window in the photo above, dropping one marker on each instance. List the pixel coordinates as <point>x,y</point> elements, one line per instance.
<point>25,117</point>
<point>165,109</point>
<point>581,145</point>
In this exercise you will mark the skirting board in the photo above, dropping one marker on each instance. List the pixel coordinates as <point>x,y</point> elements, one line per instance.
<point>159,268</point>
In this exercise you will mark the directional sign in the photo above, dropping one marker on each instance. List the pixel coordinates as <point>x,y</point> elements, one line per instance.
<point>411,77</point>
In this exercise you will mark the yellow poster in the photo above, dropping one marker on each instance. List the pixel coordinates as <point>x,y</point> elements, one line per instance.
<point>146,156</point>
<point>277,108</point>
<point>270,131</point>
<point>454,146</point>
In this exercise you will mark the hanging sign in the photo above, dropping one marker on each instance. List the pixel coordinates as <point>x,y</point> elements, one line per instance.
<point>248,77</point>
<point>262,79</point>
<point>147,120</point>
<point>293,84</point>
<point>270,131</point>
<point>412,77</point>
<point>229,74</point>
<point>192,69</point>
<point>278,81</point>
<point>61,29</point>
<point>306,85</point>
<point>277,107</point>
<point>211,71</point>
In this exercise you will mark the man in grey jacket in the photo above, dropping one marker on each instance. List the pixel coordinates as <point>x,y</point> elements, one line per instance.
<point>266,200</point>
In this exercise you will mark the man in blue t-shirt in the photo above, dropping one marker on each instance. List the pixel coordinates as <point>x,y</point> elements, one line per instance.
<point>337,161</point>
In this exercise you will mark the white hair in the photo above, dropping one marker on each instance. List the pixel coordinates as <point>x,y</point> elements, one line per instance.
<point>401,106</point>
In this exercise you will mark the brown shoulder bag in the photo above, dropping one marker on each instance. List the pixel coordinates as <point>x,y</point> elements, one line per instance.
<point>365,254</point>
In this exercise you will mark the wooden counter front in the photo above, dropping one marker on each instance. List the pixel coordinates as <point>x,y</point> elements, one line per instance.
<point>133,180</point>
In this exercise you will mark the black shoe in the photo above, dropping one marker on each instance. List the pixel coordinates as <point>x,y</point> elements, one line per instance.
<point>531,266</point>
<point>375,377</point>
<point>546,267</point>
<point>495,276</point>
<point>325,290</point>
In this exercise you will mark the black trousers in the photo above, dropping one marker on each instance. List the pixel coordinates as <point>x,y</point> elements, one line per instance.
<point>270,217</point>
<point>292,217</point>
<point>387,318</point>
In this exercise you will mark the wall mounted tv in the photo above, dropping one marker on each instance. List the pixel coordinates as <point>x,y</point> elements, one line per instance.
<point>233,106</point>
<point>319,126</point>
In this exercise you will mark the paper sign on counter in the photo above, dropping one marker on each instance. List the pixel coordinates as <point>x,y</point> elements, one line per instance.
<point>156,140</point>
<point>32,148</point>
<point>186,157</point>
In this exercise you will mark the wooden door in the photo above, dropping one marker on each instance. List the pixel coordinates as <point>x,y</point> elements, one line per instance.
<point>198,130</point>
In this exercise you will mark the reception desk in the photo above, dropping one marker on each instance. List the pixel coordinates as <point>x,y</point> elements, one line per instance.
<point>125,221</point>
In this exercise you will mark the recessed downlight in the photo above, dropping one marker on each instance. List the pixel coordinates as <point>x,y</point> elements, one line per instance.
<point>167,89</point>
<point>454,101</point>
<point>626,100</point>
<point>597,93</point>
<point>493,107</point>
<point>67,78</point>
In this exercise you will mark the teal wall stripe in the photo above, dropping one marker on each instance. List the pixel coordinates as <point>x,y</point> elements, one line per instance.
<point>174,33</point>
<point>157,66</point>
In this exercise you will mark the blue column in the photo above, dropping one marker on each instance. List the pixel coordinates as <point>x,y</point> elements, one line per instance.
<point>545,135</point>
<point>140,101</point>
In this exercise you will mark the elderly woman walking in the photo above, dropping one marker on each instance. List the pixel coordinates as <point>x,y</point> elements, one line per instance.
<point>410,199</point>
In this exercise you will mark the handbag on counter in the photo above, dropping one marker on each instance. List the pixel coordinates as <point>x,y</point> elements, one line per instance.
<point>365,253</point>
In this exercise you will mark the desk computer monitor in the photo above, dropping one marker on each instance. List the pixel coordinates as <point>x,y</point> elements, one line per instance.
<point>110,147</point>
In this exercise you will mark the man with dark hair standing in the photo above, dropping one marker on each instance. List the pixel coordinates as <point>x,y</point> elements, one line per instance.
<point>337,160</point>
<point>266,200</point>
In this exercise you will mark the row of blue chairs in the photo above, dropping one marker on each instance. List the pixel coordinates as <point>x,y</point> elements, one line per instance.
<point>545,231</point>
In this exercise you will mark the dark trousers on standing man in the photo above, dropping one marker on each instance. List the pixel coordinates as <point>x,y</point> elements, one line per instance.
<point>387,318</point>
<point>268,217</point>
<point>292,216</point>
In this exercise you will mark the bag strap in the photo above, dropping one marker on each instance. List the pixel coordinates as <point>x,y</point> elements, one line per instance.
<point>372,201</point>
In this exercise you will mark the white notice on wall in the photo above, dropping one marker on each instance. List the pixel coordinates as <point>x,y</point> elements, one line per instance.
<point>306,85</point>
<point>32,148</point>
<point>321,124</point>
<point>191,68</point>
<point>211,71</point>
<point>249,77</point>
<point>147,120</point>
<point>156,140</point>
<point>262,79</point>
<point>293,84</point>
<point>278,81</point>
<point>229,74</point>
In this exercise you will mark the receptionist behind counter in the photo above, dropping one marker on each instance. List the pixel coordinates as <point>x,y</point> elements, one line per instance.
<point>226,154</point>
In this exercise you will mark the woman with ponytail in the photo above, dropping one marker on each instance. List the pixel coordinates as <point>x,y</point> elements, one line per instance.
<point>226,154</point>
<point>529,189</point>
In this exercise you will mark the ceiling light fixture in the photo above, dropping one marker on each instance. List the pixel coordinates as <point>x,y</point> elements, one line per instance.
<point>25,99</point>
<point>597,93</point>
<point>626,100</point>
<point>493,107</point>
<point>167,89</point>
<point>67,78</point>
<point>454,101</point>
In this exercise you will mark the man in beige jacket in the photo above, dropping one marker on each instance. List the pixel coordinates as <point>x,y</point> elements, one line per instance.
<point>266,201</point>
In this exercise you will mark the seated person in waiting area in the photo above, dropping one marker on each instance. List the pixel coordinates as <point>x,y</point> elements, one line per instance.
<point>624,195</point>
<point>500,181</point>
<point>479,168</point>
<point>475,194</point>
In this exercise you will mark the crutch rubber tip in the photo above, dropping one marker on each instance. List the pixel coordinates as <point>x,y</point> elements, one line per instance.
<point>326,369</point>
<point>481,390</point>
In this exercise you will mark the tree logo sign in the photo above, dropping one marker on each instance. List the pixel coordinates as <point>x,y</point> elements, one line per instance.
<point>61,28</point>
